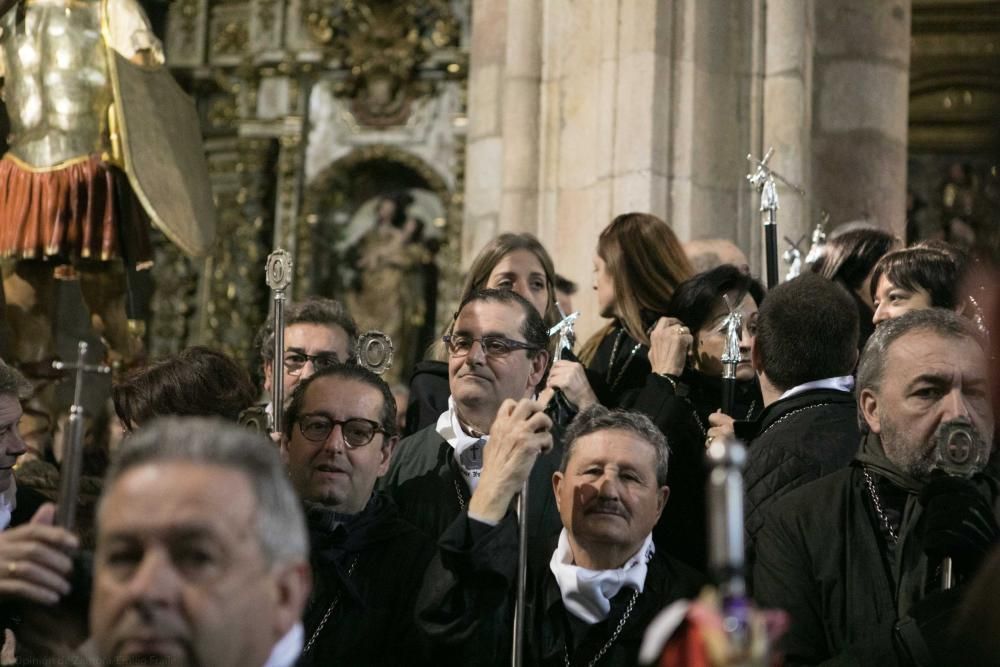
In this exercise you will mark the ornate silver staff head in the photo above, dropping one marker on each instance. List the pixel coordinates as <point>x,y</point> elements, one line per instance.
<point>734,332</point>
<point>818,239</point>
<point>566,334</point>
<point>374,351</point>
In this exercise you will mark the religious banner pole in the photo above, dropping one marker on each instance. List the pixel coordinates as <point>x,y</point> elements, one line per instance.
<point>72,463</point>
<point>278,274</point>
<point>763,179</point>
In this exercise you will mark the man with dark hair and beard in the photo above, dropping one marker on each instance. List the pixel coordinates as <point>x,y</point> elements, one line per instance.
<point>859,558</point>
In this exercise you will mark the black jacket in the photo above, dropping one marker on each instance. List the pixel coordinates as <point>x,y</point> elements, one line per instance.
<point>429,394</point>
<point>466,606</point>
<point>372,564</point>
<point>428,487</point>
<point>823,558</point>
<point>796,440</point>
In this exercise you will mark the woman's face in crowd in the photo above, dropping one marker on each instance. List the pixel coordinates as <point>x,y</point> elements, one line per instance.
<point>605,288</point>
<point>521,271</point>
<point>892,301</point>
<point>710,341</point>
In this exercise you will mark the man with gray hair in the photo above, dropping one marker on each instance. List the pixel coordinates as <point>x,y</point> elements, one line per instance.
<point>860,558</point>
<point>602,583</point>
<point>202,555</point>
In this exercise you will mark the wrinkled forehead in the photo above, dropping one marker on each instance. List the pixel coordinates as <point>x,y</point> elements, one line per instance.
<point>10,409</point>
<point>341,398</point>
<point>924,352</point>
<point>316,338</point>
<point>490,317</point>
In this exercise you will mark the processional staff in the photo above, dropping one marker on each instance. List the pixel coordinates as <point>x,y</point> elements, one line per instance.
<point>278,273</point>
<point>763,179</point>
<point>72,464</point>
<point>564,329</point>
<point>726,460</point>
<point>731,355</point>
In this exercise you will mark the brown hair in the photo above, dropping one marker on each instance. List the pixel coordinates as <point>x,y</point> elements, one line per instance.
<point>496,250</point>
<point>647,263</point>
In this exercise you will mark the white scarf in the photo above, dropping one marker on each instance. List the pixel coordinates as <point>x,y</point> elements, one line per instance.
<point>288,648</point>
<point>8,501</point>
<point>468,448</point>
<point>586,593</point>
<point>841,383</point>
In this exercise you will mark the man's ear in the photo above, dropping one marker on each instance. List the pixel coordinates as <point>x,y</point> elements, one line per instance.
<point>268,372</point>
<point>557,480</point>
<point>388,447</point>
<point>868,404</point>
<point>539,364</point>
<point>292,583</point>
<point>661,500</point>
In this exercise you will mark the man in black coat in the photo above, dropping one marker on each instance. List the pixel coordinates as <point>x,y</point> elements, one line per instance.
<point>857,558</point>
<point>804,352</point>
<point>497,356</point>
<point>368,562</point>
<point>604,581</point>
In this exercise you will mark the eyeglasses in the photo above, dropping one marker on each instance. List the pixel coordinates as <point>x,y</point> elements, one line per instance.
<point>294,361</point>
<point>459,345</point>
<point>357,432</point>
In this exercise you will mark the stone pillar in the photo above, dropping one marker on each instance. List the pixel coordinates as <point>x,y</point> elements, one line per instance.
<point>501,192</point>
<point>860,101</point>
<point>787,120</point>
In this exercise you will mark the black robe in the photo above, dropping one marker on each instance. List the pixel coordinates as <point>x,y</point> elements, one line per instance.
<point>428,486</point>
<point>372,622</point>
<point>466,606</point>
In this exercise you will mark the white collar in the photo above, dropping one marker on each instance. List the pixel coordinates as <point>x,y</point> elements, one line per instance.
<point>450,428</point>
<point>841,383</point>
<point>587,593</point>
<point>288,648</point>
<point>8,501</point>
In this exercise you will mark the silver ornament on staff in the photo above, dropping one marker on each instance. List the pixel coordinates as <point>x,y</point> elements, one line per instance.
<point>374,351</point>
<point>731,355</point>
<point>278,273</point>
<point>957,455</point>
<point>72,463</point>
<point>762,178</point>
<point>726,458</point>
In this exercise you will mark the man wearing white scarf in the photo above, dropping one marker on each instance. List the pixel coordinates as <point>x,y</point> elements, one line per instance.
<point>605,580</point>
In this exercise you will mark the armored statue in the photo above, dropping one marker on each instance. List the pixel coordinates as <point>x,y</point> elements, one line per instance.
<point>102,142</point>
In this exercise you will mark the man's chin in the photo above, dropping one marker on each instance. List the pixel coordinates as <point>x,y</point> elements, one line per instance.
<point>151,652</point>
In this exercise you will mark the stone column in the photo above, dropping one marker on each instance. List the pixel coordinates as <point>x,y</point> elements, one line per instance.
<point>501,192</point>
<point>787,120</point>
<point>860,101</point>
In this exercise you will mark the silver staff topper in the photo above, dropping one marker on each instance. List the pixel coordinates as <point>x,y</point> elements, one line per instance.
<point>278,273</point>
<point>731,354</point>
<point>374,351</point>
<point>72,465</point>
<point>566,334</point>
<point>818,246</point>
<point>762,178</point>
<point>959,453</point>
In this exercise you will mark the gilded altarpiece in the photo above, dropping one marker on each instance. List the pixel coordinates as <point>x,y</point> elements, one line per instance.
<point>312,111</point>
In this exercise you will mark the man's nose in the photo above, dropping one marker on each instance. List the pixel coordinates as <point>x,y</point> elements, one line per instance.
<point>155,581</point>
<point>14,444</point>
<point>608,485</point>
<point>476,355</point>
<point>956,406</point>
<point>307,369</point>
<point>335,441</point>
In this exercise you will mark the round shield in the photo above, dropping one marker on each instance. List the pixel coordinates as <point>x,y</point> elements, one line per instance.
<point>374,351</point>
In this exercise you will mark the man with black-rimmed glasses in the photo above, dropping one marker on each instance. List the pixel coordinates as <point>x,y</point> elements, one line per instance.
<point>340,432</point>
<point>497,361</point>
<point>319,333</point>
